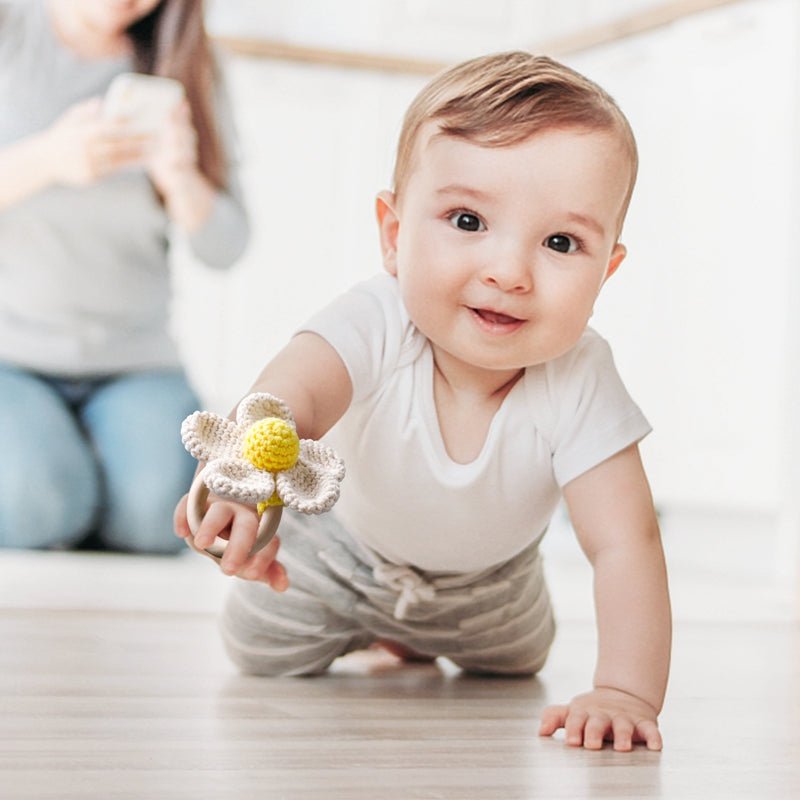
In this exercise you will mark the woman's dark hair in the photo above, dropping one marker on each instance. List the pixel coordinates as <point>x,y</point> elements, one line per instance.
<point>171,41</point>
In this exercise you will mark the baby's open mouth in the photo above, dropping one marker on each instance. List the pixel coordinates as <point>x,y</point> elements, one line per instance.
<point>495,317</point>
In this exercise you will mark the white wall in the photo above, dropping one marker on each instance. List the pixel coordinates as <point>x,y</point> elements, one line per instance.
<point>440,30</point>
<point>699,316</point>
<point>702,314</point>
<point>317,145</point>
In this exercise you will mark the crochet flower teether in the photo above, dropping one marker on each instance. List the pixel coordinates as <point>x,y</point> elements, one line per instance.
<point>258,460</point>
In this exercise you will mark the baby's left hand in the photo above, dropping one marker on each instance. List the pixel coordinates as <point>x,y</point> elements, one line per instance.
<point>604,715</point>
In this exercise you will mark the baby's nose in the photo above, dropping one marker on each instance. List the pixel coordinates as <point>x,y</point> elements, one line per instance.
<point>510,273</point>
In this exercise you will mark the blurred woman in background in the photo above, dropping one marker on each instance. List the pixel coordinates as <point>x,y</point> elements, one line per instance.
<point>91,390</point>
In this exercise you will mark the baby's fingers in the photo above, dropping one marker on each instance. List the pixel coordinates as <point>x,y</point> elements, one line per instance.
<point>215,522</point>
<point>623,730</point>
<point>243,536</point>
<point>647,731</point>
<point>263,567</point>
<point>579,727</point>
<point>553,718</point>
<point>574,727</point>
<point>591,724</point>
<point>594,731</point>
<point>277,577</point>
<point>179,521</point>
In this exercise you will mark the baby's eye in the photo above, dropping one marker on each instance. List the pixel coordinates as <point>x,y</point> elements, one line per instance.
<point>562,243</point>
<point>466,221</point>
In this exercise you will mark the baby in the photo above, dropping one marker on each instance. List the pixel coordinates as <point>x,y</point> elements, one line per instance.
<point>467,395</point>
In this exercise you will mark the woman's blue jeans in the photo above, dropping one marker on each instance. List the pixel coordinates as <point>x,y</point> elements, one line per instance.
<point>101,456</point>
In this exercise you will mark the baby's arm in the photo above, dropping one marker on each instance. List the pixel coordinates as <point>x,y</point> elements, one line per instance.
<point>311,378</point>
<point>613,515</point>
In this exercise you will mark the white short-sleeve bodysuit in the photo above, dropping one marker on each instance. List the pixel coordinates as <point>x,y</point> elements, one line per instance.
<point>404,497</point>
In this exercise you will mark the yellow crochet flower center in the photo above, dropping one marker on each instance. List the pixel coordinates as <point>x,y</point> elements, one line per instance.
<point>271,444</point>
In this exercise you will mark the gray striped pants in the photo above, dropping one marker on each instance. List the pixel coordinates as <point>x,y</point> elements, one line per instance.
<point>344,597</point>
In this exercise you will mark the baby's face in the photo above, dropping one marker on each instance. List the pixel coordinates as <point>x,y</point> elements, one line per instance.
<point>500,252</point>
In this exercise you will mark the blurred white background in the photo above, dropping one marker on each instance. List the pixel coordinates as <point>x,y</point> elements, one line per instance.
<point>702,316</point>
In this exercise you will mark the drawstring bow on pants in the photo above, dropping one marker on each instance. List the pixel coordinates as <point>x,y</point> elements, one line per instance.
<point>413,589</point>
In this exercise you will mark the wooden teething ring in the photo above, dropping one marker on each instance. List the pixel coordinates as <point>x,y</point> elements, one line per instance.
<point>196,510</point>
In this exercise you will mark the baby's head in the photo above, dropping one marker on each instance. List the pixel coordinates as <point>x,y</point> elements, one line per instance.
<point>506,98</point>
<point>512,181</point>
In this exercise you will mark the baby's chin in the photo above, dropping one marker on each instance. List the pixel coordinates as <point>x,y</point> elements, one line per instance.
<point>521,362</point>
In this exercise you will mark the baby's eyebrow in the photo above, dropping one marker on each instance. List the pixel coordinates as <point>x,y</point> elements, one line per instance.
<point>587,222</point>
<point>462,189</point>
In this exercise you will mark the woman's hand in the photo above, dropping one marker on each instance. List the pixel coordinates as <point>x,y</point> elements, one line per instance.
<point>173,167</point>
<point>239,525</point>
<point>173,155</point>
<point>82,147</point>
<point>604,714</point>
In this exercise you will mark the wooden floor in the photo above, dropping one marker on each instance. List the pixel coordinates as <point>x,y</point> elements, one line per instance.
<point>133,698</point>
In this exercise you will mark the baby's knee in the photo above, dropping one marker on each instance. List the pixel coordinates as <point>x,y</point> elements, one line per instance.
<point>259,653</point>
<point>488,668</point>
<point>274,665</point>
<point>266,637</point>
<point>521,657</point>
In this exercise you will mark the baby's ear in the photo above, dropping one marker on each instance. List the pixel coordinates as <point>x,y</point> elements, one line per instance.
<point>388,227</point>
<point>617,256</point>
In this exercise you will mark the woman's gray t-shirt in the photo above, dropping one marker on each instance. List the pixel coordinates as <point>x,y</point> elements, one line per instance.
<point>84,271</point>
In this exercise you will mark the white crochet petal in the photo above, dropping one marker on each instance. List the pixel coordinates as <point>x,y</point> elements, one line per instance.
<point>312,484</point>
<point>314,452</point>
<point>237,479</point>
<point>207,436</point>
<point>259,405</point>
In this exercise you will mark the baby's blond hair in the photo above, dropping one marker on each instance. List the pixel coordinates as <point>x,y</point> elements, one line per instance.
<point>505,98</point>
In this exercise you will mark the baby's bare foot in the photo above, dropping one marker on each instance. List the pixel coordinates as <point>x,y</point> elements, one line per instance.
<point>402,652</point>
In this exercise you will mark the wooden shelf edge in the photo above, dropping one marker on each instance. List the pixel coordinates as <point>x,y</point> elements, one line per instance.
<point>594,36</point>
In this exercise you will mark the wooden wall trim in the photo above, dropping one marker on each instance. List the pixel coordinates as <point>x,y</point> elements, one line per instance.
<point>328,57</point>
<point>593,36</point>
<point>630,25</point>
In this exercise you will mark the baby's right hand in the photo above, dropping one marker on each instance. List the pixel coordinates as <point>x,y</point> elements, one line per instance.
<point>239,525</point>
